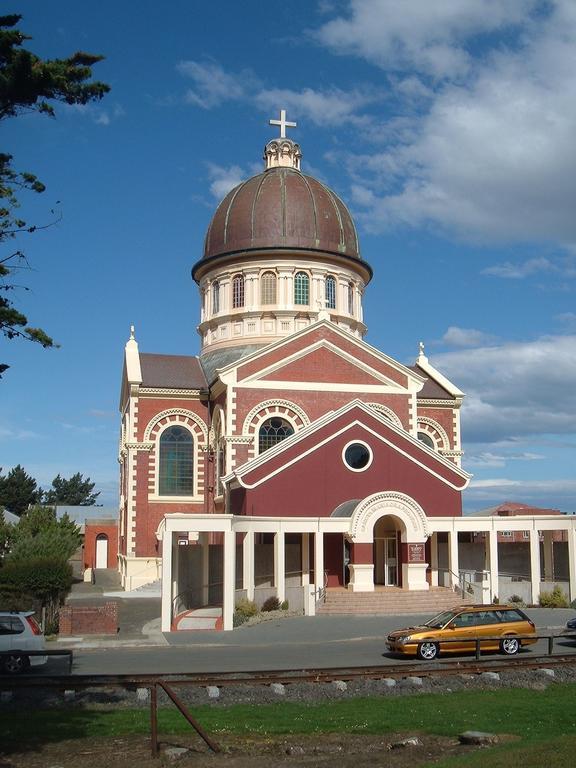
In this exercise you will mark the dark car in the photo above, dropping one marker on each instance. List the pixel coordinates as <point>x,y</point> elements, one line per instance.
<point>570,630</point>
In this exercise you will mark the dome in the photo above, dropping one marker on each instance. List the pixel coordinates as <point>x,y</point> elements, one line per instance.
<point>281,208</point>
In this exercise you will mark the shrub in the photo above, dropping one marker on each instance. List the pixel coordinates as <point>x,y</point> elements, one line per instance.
<point>515,599</point>
<point>284,605</point>
<point>45,580</point>
<point>244,610</point>
<point>271,604</point>
<point>554,599</point>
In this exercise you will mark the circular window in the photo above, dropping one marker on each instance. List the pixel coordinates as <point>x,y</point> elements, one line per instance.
<point>357,456</point>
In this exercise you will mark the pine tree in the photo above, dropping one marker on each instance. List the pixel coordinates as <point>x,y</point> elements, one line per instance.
<point>74,492</point>
<point>18,490</point>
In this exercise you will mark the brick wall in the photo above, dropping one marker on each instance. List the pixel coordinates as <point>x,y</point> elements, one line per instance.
<point>89,620</point>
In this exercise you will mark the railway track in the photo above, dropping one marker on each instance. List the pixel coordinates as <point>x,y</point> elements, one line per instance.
<point>291,676</point>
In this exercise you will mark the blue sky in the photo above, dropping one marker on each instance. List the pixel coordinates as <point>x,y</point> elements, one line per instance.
<point>447,127</point>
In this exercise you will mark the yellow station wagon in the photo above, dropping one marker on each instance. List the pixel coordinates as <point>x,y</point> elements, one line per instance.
<point>500,624</point>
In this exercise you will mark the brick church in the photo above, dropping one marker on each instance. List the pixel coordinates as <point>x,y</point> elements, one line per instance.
<point>289,457</point>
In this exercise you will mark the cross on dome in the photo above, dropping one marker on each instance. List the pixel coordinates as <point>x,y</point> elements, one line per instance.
<point>283,123</point>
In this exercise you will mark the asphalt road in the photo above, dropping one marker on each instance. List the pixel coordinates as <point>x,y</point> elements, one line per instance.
<point>287,643</point>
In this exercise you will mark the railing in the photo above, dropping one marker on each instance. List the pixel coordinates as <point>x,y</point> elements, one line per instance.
<point>20,653</point>
<point>321,591</point>
<point>459,583</point>
<point>478,641</point>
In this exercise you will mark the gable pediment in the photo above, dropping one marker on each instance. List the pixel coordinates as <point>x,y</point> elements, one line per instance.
<point>348,423</point>
<point>323,354</point>
<point>323,363</point>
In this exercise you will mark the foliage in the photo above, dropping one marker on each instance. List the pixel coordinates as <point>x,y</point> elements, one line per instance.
<point>284,605</point>
<point>40,534</point>
<point>271,604</point>
<point>6,531</point>
<point>516,599</point>
<point>48,580</point>
<point>75,492</point>
<point>244,610</point>
<point>29,84</point>
<point>554,599</point>
<point>18,490</point>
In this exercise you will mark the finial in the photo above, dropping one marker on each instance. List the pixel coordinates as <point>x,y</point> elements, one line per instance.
<point>421,356</point>
<point>421,347</point>
<point>132,333</point>
<point>283,123</point>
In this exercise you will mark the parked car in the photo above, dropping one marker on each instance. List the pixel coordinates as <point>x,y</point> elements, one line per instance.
<point>19,633</point>
<point>570,630</point>
<point>462,625</point>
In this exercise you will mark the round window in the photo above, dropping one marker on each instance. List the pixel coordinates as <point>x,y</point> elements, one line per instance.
<point>357,456</point>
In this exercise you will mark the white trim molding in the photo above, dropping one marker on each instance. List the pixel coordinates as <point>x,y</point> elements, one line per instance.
<point>372,508</point>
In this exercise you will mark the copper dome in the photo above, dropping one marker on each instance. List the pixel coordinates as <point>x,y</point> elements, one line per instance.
<point>281,208</point>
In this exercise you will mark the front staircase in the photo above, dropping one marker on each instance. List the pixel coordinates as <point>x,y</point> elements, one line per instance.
<point>390,601</point>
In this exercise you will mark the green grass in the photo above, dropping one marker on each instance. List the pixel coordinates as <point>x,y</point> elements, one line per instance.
<point>544,722</point>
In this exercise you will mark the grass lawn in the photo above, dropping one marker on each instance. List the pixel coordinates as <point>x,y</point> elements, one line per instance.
<point>544,721</point>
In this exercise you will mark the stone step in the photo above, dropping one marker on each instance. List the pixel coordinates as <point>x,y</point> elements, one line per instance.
<point>390,601</point>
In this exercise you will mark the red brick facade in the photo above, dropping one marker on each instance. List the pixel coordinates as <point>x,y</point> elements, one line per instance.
<point>89,620</point>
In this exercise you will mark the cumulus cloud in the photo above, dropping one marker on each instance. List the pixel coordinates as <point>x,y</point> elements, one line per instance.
<point>213,86</point>
<point>515,390</point>
<point>465,337</point>
<point>223,179</point>
<point>430,37</point>
<point>493,156</point>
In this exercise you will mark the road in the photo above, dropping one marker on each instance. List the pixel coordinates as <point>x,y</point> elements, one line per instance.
<point>287,643</point>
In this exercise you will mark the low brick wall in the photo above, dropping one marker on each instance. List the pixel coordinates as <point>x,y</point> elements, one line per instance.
<point>89,619</point>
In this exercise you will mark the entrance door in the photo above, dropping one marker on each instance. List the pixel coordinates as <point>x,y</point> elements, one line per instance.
<point>102,551</point>
<point>391,561</point>
<point>386,561</point>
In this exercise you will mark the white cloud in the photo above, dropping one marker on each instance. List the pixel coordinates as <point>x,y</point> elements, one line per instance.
<point>9,434</point>
<point>430,37</point>
<point>465,337</point>
<point>516,389</point>
<point>485,459</point>
<point>493,158</point>
<point>213,85</point>
<point>223,179</point>
<point>521,270</point>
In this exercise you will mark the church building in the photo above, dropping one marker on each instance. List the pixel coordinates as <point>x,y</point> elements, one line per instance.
<point>290,458</point>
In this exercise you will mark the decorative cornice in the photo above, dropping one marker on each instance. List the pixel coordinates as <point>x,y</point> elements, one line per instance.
<point>144,446</point>
<point>439,403</point>
<point>240,439</point>
<point>451,453</point>
<point>187,393</point>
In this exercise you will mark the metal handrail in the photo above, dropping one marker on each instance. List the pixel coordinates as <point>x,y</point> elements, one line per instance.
<point>459,582</point>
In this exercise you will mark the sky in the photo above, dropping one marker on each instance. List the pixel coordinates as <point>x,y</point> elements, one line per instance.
<point>449,130</point>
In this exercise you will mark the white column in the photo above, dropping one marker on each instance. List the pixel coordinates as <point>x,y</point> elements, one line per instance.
<point>535,576</point>
<point>279,566</point>
<point>229,579</point>
<point>205,538</point>
<point>318,561</point>
<point>453,562</point>
<point>248,564</point>
<point>434,559</point>
<point>166,614</point>
<point>548,555</point>
<point>305,544</point>
<point>572,561</point>
<point>493,564</point>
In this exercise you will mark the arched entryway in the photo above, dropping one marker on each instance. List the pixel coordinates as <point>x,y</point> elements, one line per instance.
<point>101,551</point>
<point>387,534</point>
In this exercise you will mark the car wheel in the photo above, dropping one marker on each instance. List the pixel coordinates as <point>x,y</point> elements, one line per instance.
<point>427,651</point>
<point>15,663</point>
<point>510,646</point>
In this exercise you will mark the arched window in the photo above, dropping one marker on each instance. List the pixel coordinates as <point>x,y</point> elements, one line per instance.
<point>176,471</point>
<point>301,288</point>
<point>425,438</point>
<point>268,288</point>
<point>215,297</point>
<point>330,292</point>
<point>273,431</point>
<point>350,299</point>
<point>238,291</point>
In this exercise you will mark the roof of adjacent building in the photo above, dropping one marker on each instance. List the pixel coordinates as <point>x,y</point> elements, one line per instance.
<point>431,390</point>
<point>513,508</point>
<point>281,208</point>
<point>172,371</point>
